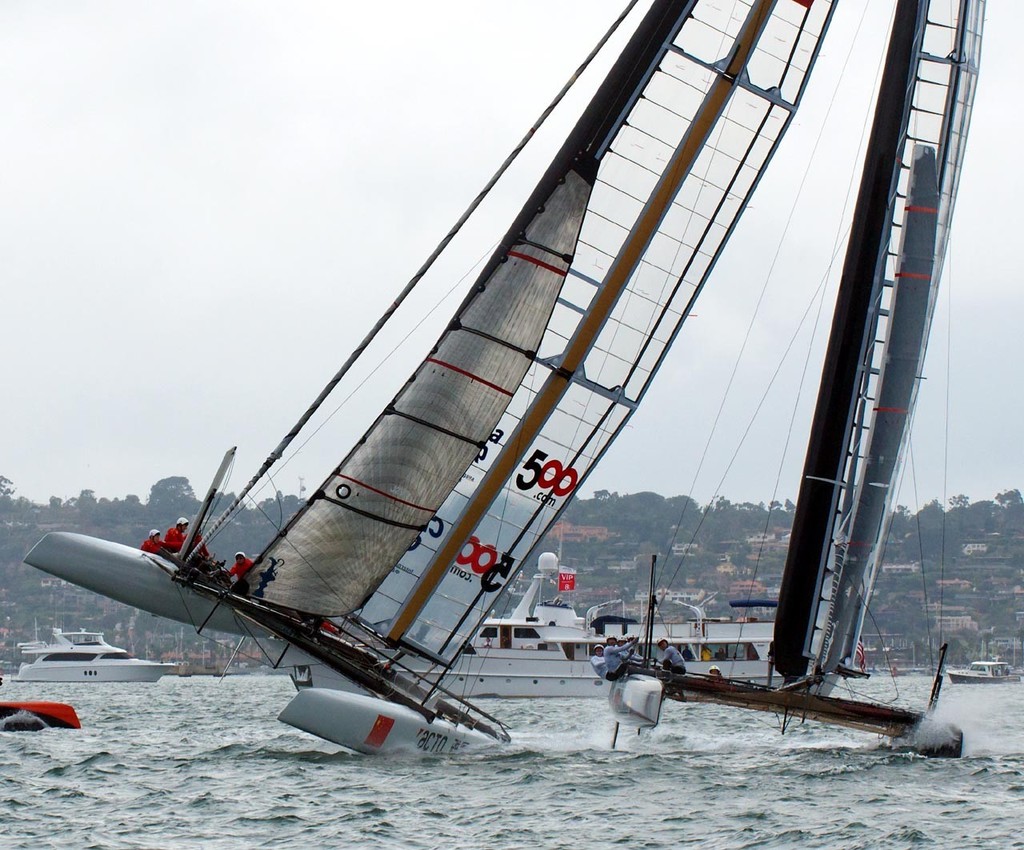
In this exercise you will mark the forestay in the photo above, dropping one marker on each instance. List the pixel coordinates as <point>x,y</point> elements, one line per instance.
<point>437,507</point>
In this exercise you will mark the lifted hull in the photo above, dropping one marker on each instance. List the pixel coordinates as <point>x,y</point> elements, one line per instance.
<point>130,576</point>
<point>370,725</point>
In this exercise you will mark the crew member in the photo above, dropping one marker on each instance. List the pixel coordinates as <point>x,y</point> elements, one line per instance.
<point>617,657</point>
<point>153,543</point>
<point>671,659</point>
<point>239,570</point>
<point>174,539</point>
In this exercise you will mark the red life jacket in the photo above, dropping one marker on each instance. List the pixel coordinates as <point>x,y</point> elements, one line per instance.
<point>151,545</point>
<point>240,568</point>
<point>174,539</point>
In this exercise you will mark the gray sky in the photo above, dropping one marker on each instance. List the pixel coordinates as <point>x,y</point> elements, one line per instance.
<point>204,207</point>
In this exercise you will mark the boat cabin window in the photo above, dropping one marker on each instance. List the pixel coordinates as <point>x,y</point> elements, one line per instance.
<point>525,633</point>
<point>116,656</point>
<point>729,652</point>
<point>489,632</point>
<point>69,656</point>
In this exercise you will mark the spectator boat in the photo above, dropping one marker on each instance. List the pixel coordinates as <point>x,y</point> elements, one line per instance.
<point>983,673</point>
<point>84,657</point>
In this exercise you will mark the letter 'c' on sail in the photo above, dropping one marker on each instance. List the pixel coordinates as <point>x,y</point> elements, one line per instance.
<point>435,509</point>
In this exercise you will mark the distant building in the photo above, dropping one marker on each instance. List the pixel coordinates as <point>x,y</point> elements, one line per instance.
<point>569,533</point>
<point>975,548</point>
<point>897,569</point>
<point>956,623</point>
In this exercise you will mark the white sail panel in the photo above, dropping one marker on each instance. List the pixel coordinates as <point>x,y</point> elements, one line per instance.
<point>370,511</point>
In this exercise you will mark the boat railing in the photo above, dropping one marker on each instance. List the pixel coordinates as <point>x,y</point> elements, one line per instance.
<point>592,612</point>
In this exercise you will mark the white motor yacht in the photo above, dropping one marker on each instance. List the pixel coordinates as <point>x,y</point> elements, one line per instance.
<point>84,657</point>
<point>543,648</point>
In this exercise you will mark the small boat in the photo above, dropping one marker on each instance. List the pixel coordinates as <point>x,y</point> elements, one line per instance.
<point>983,673</point>
<point>36,716</point>
<point>84,657</point>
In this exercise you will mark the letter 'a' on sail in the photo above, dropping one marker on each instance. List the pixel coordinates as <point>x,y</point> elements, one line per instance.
<point>879,336</point>
<point>423,523</point>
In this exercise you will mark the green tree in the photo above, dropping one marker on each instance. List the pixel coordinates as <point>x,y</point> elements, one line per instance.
<point>170,497</point>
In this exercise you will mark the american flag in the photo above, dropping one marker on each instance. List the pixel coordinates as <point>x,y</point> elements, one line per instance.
<point>859,657</point>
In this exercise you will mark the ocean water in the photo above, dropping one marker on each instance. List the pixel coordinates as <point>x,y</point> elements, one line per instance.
<point>199,762</point>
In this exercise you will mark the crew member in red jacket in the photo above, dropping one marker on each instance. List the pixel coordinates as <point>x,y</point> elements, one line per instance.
<point>239,570</point>
<point>153,543</point>
<point>174,539</point>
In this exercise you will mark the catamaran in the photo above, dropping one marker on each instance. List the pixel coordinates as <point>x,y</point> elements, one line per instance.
<point>385,574</point>
<point>869,385</point>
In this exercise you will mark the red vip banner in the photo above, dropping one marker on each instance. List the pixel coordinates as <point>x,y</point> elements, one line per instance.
<point>566,581</point>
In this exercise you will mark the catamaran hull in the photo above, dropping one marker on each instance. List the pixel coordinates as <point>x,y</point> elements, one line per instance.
<point>35,716</point>
<point>636,701</point>
<point>370,725</point>
<point>130,576</point>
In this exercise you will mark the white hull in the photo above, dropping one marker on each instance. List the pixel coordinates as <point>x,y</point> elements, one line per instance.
<point>370,725</point>
<point>139,671</point>
<point>636,701</point>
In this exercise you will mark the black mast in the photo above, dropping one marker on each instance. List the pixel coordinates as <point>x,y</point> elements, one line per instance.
<point>820,486</point>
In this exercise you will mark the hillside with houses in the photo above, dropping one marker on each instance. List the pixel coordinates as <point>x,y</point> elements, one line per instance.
<point>953,572</point>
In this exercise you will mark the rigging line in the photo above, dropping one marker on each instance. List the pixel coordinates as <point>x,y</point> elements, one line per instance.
<point>840,237</point>
<point>945,432</point>
<point>387,356</point>
<point>277,453</point>
<point>920,554</point>
<point>764,396</point>
<point>885,655</point>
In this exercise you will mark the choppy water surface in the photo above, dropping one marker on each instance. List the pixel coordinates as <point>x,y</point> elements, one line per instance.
<point>204,763</point>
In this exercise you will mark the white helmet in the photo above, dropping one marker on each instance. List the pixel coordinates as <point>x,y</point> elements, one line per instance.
<point>239,554</point>
<point>154,532</point>
<point>181,521</point>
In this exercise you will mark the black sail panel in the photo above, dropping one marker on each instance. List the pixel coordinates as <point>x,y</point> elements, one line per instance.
<point>820,485</point>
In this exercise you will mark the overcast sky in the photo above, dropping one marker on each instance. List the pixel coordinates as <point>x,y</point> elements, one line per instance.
<point>205,206</point>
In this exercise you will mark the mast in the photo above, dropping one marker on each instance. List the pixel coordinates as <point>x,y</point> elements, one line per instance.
<point>821,482</point>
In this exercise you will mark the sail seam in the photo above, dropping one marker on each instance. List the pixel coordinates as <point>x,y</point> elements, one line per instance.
<point>470,375</point>
<point>434,427</point>
<point>370,515</point>
<point>383,493</point>
<point>539,262</point>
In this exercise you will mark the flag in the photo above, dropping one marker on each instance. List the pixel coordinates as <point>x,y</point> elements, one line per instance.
<point>566,580</point>
<point>860,658</point>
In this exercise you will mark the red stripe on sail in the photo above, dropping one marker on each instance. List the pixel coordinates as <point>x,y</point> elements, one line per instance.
<point>385,495</point>
<point>914,275</point>
<point>380,731</point>
<point>929,210</point>
<point>805,3</point>
<point>469,375</point>
<point>890,410</point>
<point>541,263</point>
